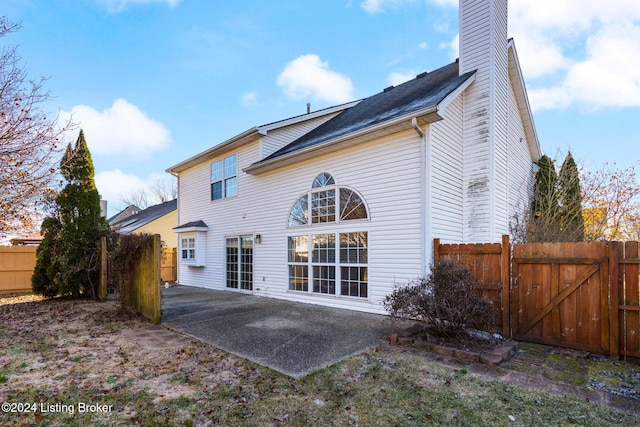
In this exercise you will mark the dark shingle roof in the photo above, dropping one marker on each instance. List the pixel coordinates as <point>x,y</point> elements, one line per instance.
<point>133,222</point>
<point>426,90</point>
<point>192,224</point>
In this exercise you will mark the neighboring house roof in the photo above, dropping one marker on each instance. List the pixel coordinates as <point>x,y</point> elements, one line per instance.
<point>124,213</point>
<point>420,97</point>
<point>144,217</point>
<point>32,239</point>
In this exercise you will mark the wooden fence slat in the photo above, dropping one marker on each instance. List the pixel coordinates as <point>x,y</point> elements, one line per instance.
<point>631,318</point>
<point>614,285</point>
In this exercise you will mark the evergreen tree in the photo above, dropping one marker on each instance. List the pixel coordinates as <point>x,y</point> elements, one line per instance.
<point>570,199</point>
<point>43,280</point>
<point>82,225</point>
<point>545,208</point>
<point>72,252</point>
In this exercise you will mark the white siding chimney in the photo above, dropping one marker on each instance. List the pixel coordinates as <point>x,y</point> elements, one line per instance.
<point>483,47</point>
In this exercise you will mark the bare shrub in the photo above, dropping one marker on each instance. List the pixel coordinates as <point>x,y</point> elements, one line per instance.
<point>448,301</point>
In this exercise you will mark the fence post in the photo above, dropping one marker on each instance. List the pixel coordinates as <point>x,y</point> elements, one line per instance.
<point>102,286</point>
<point>614,286</point>
<point>505,277</point>
<point>436,252</point>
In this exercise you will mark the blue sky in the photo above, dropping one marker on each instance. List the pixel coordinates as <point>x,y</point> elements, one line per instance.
<point>153,82</point>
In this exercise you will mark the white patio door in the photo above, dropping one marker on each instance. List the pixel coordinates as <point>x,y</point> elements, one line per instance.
<point>239,263</point>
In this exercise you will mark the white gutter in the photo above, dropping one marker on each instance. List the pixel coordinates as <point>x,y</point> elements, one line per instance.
<point>423,196</point>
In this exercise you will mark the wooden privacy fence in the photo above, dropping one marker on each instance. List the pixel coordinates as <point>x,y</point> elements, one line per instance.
<point>489,264</point>
<point>16,268</point>
<point>581,295</point>
<point>139,281</point>
<point>169,266</point>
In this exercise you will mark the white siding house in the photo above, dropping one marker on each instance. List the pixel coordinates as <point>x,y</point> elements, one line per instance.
<point>337,206</point>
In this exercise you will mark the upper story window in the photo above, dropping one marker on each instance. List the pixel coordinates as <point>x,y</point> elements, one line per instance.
<point>223,178</point>
<point>327,203</point>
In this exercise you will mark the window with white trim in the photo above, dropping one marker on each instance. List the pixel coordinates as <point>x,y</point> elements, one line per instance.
<point>338,264</point>
<point>188,248</point>
<point>223,178</point>
<point>328,262</point>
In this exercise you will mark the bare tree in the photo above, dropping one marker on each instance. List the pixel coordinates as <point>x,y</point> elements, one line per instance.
<point>136,198</point>
<point>30,140</point>
<point>611,204</point>
<point>164,190</point>
<point>159,191</point>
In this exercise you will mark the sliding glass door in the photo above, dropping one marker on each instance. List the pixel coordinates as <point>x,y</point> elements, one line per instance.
<point>239,263</point>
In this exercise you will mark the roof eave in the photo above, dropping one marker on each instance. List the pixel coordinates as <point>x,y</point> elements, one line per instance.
<point>424,116</point>
<point>212,152</point>
<point>517,79</point>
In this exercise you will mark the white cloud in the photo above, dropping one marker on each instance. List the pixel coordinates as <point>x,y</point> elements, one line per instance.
<point>120,5</point>
<point>607,77</point>
<point>249,98</point>
<point>572,52</point>
<point>115,184</point>
<point>307,76</point>
<point>453,47</point>
<point>378,6</point>
<point>121,129</point>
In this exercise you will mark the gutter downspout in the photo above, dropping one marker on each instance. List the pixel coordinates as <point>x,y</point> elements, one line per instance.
<point>423,196</point>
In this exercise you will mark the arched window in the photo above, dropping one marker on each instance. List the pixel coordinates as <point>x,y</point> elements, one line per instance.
<point>326,261</point>
<point>323,180</point>
<point>324,200</point>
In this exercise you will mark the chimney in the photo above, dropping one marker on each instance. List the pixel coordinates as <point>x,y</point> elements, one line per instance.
<point>308,107</point>
<point>484,48</point>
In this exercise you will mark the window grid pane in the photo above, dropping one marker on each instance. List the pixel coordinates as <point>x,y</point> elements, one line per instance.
<point>216,190</point>
<point>324,248</point>
<point>299,278</point>
<point>246,263</point>
<point>354,281</point>
<point>230,166</point>
<point>230,188</point>
<point>232,263</point>
<point>298,249</point>
<point>323,206</point>
<point>216,171</point>
<point>188,248</point>
<point>353,248</point>
<point>324,279</point>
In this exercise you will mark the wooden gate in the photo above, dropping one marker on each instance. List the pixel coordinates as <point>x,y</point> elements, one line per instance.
<point>559,294</point>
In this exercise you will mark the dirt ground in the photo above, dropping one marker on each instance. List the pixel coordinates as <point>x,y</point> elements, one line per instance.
<point>116,358</point>
<point>77,350</point>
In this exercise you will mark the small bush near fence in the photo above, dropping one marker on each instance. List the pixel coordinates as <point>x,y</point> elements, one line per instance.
<point>447,301</point>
